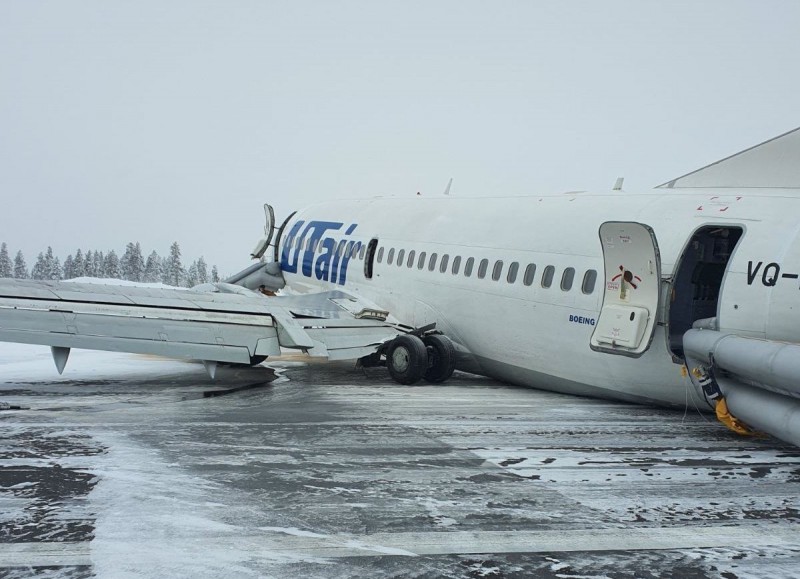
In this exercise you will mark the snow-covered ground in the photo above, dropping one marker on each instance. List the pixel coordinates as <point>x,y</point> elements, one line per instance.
<point>121,468</point>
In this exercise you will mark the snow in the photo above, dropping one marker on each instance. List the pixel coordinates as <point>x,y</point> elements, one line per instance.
<point>121,282</point>
<point>332,472</point>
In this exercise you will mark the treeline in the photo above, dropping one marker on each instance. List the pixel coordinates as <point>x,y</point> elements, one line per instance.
<point>132,266</point>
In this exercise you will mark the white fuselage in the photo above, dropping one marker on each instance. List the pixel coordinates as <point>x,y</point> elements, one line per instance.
<point>521,331</point>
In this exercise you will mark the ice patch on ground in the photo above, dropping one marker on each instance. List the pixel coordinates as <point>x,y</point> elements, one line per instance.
<point>141,496</point>
<point>295,532</point>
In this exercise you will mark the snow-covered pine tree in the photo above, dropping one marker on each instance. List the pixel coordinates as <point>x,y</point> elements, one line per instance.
<point>49,267</point>
<point>202,270</point>
<point>38,271</point>
<point>99,264</point>
<point>214,275</point>
<point>152,268</point>
<point>174,274</point>
<point>191,275</point>
<point>124,262</point>
<point>56,272</point>
<point>5,261</point>
<point>78,264</point>
<point>69,267</point>
<point>111,266</point>
<point>137,263</point>
<point>163,269</point>
<point>88,263</point>
<point>20,267</point>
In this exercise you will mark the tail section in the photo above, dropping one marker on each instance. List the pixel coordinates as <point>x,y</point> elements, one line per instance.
<point>773,164</point>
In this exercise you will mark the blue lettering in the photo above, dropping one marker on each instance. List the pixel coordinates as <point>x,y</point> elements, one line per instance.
<point>289,262</point>
<point>322,269</point>
<point>581,320</point>
<point>352,248</point>
<point>310,241</point>
<point>331,263</point>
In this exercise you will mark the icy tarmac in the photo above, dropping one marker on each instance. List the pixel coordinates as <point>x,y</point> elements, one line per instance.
<point>121,468</point>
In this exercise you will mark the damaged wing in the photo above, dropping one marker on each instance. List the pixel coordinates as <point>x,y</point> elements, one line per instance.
<point>215,323</point>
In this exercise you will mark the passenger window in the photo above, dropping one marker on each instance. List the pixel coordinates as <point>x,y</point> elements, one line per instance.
<point>432,262</point>
<point>456,264</point>
<point>567,278</point>
<point>443,266</point>
<point>498,270</point>
<point>547,276</point>
<point>589,279</point>
<point>341,248</point>
<point>421,261</point>
<point>390,259</point>
<point>363,250</point>
<point>468,266</point>
<point>380,254</point>
<point>411,255</point>
<point>530,273</point>
<point>400,255</point>
<point>512,272</point>
<point>482,267</point>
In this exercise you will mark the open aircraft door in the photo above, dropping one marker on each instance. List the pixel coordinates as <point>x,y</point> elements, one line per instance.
<point>632,289</point>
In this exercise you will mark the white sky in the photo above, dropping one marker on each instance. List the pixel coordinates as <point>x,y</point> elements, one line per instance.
<point>162,121</point>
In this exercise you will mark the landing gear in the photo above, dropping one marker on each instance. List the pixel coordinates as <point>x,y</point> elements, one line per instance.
<point>441,358</point>
<point>410,358</point>
<point>407,359</point>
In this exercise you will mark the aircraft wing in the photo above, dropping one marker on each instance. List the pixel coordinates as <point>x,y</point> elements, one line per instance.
<point>224,323</point>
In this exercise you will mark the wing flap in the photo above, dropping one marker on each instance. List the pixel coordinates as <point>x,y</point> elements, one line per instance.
<point>221,326</point>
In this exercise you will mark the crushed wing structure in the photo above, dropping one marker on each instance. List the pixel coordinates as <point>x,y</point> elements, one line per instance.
<point>228,324</point>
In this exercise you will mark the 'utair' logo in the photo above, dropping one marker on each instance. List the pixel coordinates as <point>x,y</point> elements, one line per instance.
<point>322,257</point>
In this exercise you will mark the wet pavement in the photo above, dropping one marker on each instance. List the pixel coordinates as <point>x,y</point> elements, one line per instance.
<point>122,468</point>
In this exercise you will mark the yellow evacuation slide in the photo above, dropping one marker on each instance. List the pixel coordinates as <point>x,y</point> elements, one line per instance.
<point>733,423</point>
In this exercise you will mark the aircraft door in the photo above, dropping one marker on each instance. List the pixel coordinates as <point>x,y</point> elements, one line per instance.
<point>632,289</point>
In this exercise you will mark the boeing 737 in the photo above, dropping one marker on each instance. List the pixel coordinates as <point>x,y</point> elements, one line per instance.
<point>685,294</point>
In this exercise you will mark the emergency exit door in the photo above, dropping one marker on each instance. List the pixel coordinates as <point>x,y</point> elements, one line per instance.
<point>632,286</point>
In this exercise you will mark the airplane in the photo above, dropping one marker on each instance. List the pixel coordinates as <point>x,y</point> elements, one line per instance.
<point>688,293</point>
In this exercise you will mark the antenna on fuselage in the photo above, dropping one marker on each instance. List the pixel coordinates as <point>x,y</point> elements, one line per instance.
<point>618,184</point>
<point>447,189</point>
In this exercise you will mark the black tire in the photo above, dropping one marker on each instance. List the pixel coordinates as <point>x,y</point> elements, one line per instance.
<point>441,358</point>
<point>407,359</point>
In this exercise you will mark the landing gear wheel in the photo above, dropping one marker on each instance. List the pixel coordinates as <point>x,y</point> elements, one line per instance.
<point>441,358</point>
<point>407,359</point>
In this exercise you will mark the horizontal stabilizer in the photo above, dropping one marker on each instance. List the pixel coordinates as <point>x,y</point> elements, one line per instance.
<point>774,164</point>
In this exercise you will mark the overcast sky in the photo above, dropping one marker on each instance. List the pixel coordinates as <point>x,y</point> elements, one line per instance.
<point>162,121</point>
